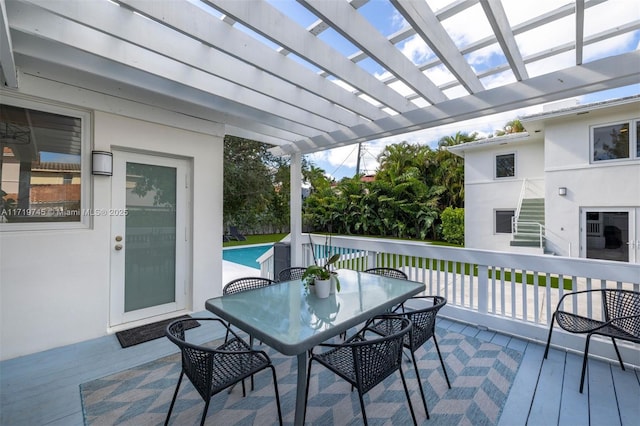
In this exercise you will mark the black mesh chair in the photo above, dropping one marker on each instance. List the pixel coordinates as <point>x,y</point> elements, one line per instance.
<point>239,285</point>
<point>290,274</point>
<point>392,273</point>
<point>247,283</point>
<point>423,330</point>
<point>621,319</point>
<point>388,272</point>
<point>365,363</point>
<point>212,370</point>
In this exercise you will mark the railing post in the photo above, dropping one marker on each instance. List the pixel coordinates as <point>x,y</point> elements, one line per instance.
<point>371,259</point>
<point>483,289</point>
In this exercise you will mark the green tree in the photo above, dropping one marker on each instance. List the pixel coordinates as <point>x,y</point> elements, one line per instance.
<point>512,126</point>
<point>248,182</point>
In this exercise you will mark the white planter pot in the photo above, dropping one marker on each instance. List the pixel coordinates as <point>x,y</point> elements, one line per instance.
<point>323,288</point>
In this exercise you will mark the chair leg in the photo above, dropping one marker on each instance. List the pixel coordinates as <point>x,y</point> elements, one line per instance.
<point>584,361</point>
<point>204,413</point>
<point>546,350</point>
<point>275,385</point>
<point>173,401</point>
<point>406,391</point>
<point>615,346</point>
<point>446,376</point>
<point>251,345</point>
<point>364,416</point>
<point>424,399</point>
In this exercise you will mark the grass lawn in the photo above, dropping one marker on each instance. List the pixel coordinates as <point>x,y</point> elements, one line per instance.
<point>256,239</point>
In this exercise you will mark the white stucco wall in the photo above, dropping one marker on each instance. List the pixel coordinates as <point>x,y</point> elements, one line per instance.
<point>55,284</point>
<point>601,184</point>
<point>484,194</point>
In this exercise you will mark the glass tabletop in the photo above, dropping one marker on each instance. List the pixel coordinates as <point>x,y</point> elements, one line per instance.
<point>291,320</point>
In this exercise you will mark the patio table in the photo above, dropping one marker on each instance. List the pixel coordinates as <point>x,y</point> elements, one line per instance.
<point>287,318</point>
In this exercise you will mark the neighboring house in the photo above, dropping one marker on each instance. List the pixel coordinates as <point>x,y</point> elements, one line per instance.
<point>569,186</point>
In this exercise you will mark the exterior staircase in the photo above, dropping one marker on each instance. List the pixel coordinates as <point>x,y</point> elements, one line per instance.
<point>528,224</point>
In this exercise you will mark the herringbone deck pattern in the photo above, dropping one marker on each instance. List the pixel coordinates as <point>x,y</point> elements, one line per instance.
<point>481,375</point>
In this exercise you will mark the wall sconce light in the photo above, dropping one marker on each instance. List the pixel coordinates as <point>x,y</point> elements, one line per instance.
<point>101,163</point>
<point>562,191</point>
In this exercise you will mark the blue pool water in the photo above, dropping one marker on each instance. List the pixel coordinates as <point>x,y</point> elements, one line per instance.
<point>246,255</point>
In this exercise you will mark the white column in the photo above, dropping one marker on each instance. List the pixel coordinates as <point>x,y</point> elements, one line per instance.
<point>295,211</point>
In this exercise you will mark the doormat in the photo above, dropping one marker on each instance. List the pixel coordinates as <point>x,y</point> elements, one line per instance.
<point>145,333</point>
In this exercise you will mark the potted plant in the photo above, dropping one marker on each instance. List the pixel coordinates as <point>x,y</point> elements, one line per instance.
<point>315,273</point>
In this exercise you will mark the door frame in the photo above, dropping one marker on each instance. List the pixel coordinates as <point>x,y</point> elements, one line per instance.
<point>633,224</point>
<point>117,316</point>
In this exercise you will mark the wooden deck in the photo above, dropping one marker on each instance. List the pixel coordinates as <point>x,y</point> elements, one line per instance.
<point>43,388</point>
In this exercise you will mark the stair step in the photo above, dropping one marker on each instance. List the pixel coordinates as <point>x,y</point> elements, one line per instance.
<point>525,244</point>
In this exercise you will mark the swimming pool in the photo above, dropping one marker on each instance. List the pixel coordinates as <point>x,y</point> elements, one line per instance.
<point>246,255</point>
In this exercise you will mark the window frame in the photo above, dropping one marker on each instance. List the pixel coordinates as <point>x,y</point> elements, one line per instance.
<point>86,143</point>
<point>495,165</point>
<point>495,221</point>
<point>634,149</point>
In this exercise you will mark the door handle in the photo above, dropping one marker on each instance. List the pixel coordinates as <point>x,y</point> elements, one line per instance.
<point>118,247</point>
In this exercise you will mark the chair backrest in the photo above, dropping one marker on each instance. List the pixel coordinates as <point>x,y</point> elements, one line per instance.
<point>376,359</point>
<point>293,273</point>
<point>388,272</point>
<point>623,304</point>
<point>196,360</point>
<point>247,283</point>
<point>423,319</point>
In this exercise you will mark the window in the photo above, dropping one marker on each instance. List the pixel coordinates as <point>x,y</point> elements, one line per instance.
<point>615,141</point>
<point>40,166</point>
<point>503,221</point>
<point>505,165</point>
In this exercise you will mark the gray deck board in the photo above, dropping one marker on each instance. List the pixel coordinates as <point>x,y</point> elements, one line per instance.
<point>516,409</point>
<point>603,407</point>
<point>572,406</point>
<point>43,388</point>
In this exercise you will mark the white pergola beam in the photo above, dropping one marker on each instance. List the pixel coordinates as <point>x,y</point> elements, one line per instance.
<point>343,18</point>
<point>95,74</point>
<point>427,25</point>
<point>498,20</point>
<point>7,61</point>
<point>272,24</point>
<point>595,76</point>
<point>83,38</point>
<point>579,30</point>
<point>158,38</point>
<point>200,25</point>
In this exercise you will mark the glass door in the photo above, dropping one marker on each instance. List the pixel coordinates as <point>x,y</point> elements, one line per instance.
<point>148,236</point>
<point>610,234</point>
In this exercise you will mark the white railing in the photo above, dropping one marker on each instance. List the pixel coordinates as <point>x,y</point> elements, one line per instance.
<point>530,188</point>
<point>494,290</point>
<point>541,234</point>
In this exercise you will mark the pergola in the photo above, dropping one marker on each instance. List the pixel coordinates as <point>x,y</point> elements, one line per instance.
<point>269,75</point>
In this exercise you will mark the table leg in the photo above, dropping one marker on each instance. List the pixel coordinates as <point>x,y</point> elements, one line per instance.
<point>301,388</point>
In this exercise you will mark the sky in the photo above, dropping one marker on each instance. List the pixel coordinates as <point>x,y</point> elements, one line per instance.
<point>466,28</point>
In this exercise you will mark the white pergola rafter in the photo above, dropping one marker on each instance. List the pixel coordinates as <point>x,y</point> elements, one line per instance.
<point>498,20</point>
<point>425,22</point>
<point>271,23</point>
<point>9,74</point>
<point>579,30</point>
<point>353,26</point>
<point>182,56</point>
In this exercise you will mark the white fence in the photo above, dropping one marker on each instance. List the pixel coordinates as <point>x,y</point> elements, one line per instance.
<point>512,293</point>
